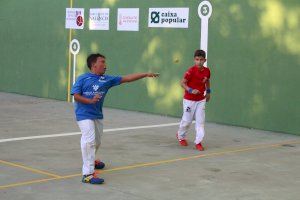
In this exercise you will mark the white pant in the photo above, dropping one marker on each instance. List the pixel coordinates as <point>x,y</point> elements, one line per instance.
<point>192,110</point>
<point>92,131</point>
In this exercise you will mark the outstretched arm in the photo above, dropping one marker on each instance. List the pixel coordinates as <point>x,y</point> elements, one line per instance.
<point>137,76</point>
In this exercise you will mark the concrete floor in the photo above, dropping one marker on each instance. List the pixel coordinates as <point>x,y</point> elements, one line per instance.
<point>145,163</point>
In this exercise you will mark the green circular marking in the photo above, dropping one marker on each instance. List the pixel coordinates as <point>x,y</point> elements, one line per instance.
<point>205,10</point>
<point>74,46</point>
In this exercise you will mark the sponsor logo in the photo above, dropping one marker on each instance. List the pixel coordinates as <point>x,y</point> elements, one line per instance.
<point>99,19</point>
<point>102,79</point>
<point>79,20</point>
<point>93,93</point>
<point>168,17</point>
<point>157,17</point>
<point>95,87</point>
<point>128,19</point>
<point>188,109</point>
<point>74,18</point>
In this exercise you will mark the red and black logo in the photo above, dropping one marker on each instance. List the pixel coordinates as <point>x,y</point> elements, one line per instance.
<point>79,20</point>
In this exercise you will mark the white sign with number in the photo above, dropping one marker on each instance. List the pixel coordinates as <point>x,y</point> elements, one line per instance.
<point>204,12</point>
<point>74,47</point>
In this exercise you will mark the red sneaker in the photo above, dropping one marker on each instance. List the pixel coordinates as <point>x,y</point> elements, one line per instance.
<point>199,147</point>
<point>99,164</point>
<point>182,142</point>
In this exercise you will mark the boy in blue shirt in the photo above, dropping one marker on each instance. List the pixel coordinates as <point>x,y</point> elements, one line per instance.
<point>89,92</point>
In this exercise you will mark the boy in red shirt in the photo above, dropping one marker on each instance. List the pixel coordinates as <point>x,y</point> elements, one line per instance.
<point>197,92</point>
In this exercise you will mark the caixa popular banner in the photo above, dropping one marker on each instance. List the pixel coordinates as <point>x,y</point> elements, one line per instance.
<point>168,17</point>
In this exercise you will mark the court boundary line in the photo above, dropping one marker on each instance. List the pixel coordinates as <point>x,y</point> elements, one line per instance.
<point>36,171</point>
<point>78,133</point>
<point>158,163</point>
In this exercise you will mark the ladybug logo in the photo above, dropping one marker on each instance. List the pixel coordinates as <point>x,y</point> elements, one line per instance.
<point>79,20</point>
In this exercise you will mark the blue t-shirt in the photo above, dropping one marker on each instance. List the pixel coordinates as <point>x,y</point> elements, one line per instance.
<point>88,85</point>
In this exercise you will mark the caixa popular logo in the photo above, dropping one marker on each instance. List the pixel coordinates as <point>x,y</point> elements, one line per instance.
<point>168,17</point>
<point>155,18</point>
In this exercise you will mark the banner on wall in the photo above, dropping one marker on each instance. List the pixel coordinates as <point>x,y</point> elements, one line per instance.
<point>74,18</point>
<point>168,17</point>
<point>99,19</point>
<point>128,19</point>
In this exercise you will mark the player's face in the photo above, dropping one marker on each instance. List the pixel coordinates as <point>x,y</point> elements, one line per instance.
<point>199,61</point>
<point>100,66</point>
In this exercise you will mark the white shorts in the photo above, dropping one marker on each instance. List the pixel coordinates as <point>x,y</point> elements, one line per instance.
<point>91,131</point>
<point>193,110</point>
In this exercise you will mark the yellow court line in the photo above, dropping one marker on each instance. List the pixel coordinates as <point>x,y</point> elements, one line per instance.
<point>245,149</point>
<point>254,147</point>
<point>69,61</point>
<point>27,183</point>
<point>30,169</point>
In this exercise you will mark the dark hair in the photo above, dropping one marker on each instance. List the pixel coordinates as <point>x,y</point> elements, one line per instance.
<point>92,58</point>
<point>199,53</point>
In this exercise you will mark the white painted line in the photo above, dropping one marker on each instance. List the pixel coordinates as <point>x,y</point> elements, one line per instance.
<point>78,133</point>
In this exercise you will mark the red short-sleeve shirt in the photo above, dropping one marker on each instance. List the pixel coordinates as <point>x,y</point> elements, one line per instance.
<point>196,80</point>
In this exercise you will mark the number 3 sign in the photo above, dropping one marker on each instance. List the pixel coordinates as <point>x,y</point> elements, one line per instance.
<point>204,12</point>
